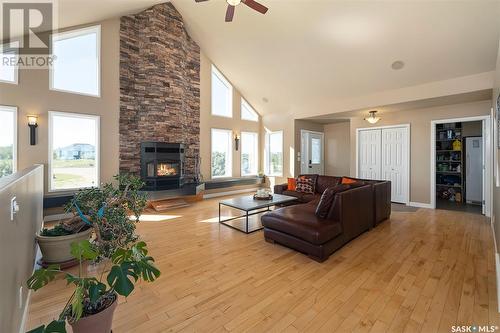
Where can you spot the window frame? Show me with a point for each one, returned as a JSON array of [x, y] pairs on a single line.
[[226, 82], [256, 135], [51, 148], [246, 105], [16, 71], [230, 146], [14, 110], [268, 154], [72, 34]]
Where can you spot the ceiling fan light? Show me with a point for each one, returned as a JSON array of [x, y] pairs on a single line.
[[372, 119], [233, 2]]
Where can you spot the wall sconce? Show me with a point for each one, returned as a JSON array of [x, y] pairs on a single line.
[[372, 118], [32, 123], [236, 141]]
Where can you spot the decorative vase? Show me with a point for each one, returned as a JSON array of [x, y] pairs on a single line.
[[97, 323], [57, 249]]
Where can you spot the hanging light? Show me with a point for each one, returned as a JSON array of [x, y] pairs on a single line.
[[372, 118]]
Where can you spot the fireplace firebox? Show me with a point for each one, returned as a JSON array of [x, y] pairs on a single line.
[[162, 165]]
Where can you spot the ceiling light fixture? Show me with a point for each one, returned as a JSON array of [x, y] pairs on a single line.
[[372, 118], [397, 65], [233, 2]]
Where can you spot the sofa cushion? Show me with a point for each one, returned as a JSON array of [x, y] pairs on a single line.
[[325, 182], [304, 185], [303, 197], [326, 200], [313, 177], [299, 221]]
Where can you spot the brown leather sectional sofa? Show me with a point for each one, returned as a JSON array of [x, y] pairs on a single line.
[[353, 211]]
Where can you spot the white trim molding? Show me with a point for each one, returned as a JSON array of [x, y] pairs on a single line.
[[488, 161], [223, 194], [420, 205]]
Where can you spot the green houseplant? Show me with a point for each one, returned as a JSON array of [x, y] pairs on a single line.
[[124, 260]]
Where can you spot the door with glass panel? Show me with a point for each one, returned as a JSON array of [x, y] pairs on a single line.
[[312, 159]]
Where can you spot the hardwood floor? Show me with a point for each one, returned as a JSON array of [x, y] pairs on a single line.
[[421, 271]]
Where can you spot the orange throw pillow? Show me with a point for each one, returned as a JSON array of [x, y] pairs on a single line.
[[292, 183], [348, 180]]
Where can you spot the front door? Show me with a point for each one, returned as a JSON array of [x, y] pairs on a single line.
[[312, 161]]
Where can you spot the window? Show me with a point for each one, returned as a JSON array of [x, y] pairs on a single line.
[[8, 140], [249, 153], [76, 68], [274, 153], [222, 149], [222, 95], [247, 112], [8, 64], [73, 151], [315, 151]]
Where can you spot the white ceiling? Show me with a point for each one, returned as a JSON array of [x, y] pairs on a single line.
[[307, 54]]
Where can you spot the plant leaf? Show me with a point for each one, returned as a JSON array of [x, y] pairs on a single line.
[[56, 326], [77, 303], [118, 278], [83, 250], [96, 291], [42, 277], [121, 255], [139, 249], [147, 270]]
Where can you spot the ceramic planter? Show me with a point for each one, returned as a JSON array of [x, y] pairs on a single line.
[[56, 250], [97, 323]]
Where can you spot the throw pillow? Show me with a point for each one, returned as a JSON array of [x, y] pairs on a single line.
[[292, 184], [326, 201], [304, 185], [346, 180]]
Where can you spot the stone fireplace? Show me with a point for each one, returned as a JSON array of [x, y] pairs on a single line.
[[162, 165], [159, 96]]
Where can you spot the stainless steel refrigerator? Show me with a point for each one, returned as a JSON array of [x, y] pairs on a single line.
[[474, 169]]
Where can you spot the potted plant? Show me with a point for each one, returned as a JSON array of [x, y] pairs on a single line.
[[107, 210], [91, 307], [92, 208]]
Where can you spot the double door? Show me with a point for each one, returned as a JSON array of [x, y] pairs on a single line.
[[383, 154]]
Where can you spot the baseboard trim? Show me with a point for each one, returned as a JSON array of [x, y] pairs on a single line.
[[222, 194], [497, 269], [420, 205]]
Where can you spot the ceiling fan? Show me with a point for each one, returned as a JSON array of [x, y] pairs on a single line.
[[231, 5]]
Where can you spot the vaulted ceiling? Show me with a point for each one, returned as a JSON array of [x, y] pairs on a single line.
[[309, 54]]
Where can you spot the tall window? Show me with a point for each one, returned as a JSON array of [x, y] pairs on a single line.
[[8, 140], [8, 64], [247, 112], [76, 68], [222, 95], [73, 150], [249, 153], [274, 153], [222, 150]]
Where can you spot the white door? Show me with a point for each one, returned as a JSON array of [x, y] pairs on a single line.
[[369, 151], [312, 161], [395, 162]]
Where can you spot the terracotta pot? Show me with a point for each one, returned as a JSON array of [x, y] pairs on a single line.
[[56, 250], [98, 323]]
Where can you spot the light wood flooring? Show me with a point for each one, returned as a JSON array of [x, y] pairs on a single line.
[[420, 271]]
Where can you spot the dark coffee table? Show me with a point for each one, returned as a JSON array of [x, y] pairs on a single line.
[[251, 207]]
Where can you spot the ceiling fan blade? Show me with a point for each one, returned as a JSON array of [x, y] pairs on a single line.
[[200, 0], [229, 13], [255, 6]]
